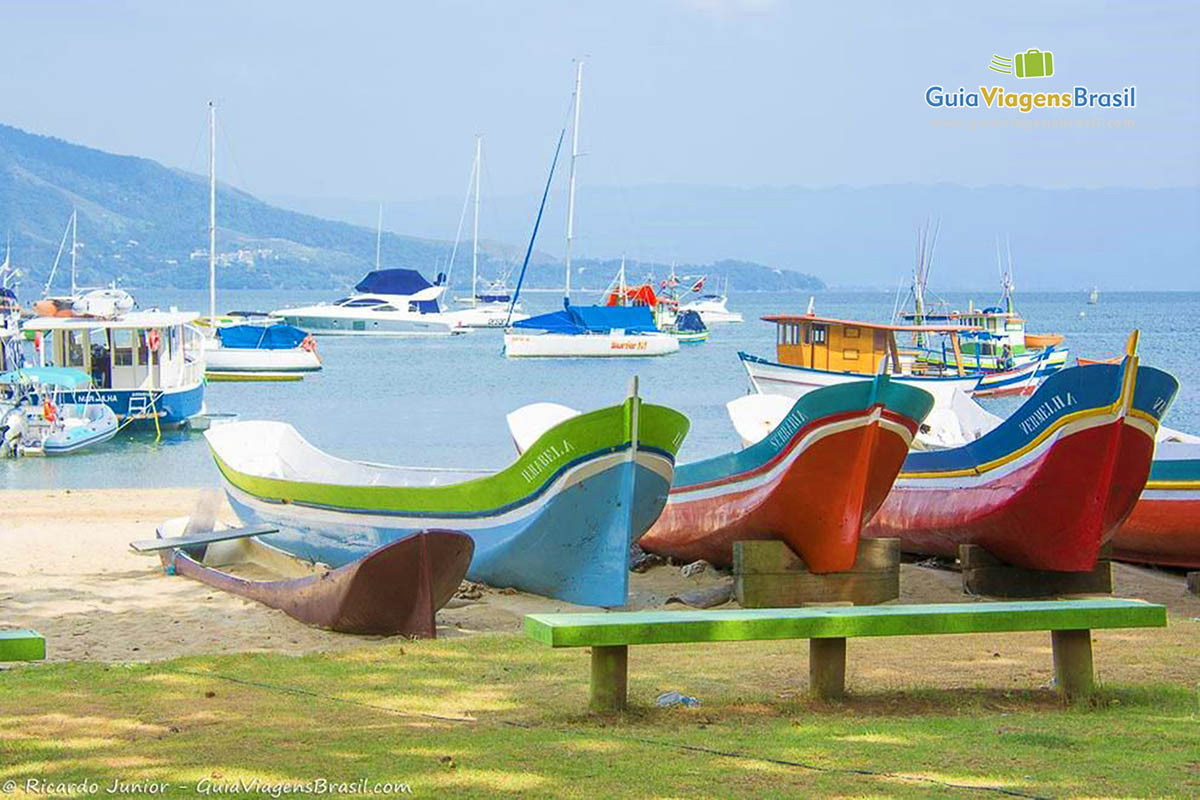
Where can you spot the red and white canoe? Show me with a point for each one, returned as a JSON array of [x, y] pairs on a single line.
[[813, 481], [1164, 527], [1047, 487]]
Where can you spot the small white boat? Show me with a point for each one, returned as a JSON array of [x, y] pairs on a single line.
[[277, 352], [246, 346], [584, 331], [713, 309], [34, 420], [104, 303]]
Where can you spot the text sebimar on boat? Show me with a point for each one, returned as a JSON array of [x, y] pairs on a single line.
[[814, 480]]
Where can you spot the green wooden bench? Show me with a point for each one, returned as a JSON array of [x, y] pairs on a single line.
[[609, 635], [20, 645]]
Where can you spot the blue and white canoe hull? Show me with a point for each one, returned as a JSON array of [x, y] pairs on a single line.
[[571, 542]]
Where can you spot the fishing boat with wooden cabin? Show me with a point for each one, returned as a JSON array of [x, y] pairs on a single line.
[[813, 480], [143, 364], [1047, 487], [814, 352]]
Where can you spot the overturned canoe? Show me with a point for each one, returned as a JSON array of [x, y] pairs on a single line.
[[1164, 527], [1048, 486], [813, 481], [394, 589], [557, 522]]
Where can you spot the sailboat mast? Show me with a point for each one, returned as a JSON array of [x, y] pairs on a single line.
[[212, 212], [378, 234], [74, 231], [475, 227], [571, 189]]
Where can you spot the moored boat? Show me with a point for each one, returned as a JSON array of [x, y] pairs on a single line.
[[1164, 527], [394, 589], [144, 364], [558, 521], [34, 420], [274, 352], [813, 480], [387, 302], [1049, 485]]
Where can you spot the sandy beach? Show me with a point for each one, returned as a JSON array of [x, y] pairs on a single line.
[[67, 571]]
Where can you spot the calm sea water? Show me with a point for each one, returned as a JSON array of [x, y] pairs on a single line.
[[442, 402]]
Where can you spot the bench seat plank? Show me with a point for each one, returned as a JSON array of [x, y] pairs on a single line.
[[21, 645], [672, 627]]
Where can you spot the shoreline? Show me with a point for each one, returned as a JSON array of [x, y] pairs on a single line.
[[66, 571]]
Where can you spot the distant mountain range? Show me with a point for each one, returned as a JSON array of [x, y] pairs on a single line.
[[1141, 239], [142, 224]]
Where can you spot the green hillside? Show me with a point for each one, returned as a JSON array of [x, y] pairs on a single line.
[[143, 224]]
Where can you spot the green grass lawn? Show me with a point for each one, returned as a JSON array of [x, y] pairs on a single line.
[[498, 716]]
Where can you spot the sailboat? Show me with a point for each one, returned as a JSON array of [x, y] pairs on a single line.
[[246, 352], [489, 308], [1094, 297], [594, 331]]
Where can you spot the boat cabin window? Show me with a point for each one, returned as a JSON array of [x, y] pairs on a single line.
[[384, 307], [101, 369], [143, 347], [819, 334], [75, 345], [341, 302], [122, 347], [362, 302]]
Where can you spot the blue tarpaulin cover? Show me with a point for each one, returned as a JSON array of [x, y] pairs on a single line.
[[392, 281], [690, 321], [592, 319], [261, 337]]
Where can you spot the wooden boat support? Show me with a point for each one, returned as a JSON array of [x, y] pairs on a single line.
[[395, 589], [984, 574], [767, 574]]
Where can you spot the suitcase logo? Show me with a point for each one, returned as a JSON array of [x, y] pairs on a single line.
[[1033, 63]]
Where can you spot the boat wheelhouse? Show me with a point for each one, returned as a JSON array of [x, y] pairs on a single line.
[[144, 364], [387, 302], [812, 352]]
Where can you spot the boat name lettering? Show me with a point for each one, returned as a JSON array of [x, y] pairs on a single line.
[[1158, 407], [785, 430], [1045, 411], [627, 346], [545, 458]]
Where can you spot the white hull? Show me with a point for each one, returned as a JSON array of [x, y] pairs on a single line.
[[712, 312], [484, 316], [792, 382], [341, 321], [612, 345], [230, 359]]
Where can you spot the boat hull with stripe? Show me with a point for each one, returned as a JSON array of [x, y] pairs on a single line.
[[812, 482], [557, 522], [1046, 488], [1164, 527]]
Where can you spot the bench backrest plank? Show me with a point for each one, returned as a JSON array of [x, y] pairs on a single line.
[[21, 645], [667, 627]]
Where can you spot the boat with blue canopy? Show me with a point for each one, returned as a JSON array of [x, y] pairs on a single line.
[[34, 420]]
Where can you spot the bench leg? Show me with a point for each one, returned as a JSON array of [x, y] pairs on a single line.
[[827, 668], [610, 678], [1073, 662]]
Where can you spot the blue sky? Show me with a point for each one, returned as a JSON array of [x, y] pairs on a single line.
[[366, 100]]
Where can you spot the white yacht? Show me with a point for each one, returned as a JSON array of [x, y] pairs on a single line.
[[712, 309], [387, 302]]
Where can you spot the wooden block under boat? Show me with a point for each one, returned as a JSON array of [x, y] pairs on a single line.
[[768, 574], [984, 574]]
